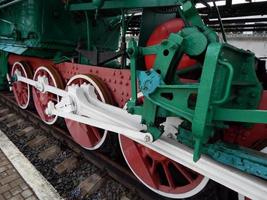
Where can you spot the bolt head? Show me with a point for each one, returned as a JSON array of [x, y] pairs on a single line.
[[147, 138]]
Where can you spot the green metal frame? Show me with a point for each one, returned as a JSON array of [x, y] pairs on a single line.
[[228, 89]]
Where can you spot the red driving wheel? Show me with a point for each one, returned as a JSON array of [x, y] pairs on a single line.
[[162, 32], [89, 137], [41, 99], [159, 173], [21, 90]]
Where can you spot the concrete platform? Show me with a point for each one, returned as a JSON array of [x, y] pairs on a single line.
[[19, 180]]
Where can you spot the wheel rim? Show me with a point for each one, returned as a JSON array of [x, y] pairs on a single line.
[[89, 137], [41, 99], [159, 173], [21, 90]]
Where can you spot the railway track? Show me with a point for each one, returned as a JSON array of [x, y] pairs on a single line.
[[55, 149]]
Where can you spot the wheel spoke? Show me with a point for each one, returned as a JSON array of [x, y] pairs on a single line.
[[153, 167], [168, 175], [183, 172], [41, 100], [96, 133]]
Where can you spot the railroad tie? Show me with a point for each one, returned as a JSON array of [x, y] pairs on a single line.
[[91, 185], [26, 131], [11, 115], [124, 198], [4, 111], [37, 141], [50, 153], [14, 123], [67, 165], [12, 119]]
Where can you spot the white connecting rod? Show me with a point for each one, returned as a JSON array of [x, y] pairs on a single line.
[[137, 135], [75, 105]]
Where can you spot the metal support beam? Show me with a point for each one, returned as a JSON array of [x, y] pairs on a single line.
[[126, 4], [237, 10]]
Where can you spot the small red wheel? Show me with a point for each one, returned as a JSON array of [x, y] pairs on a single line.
[[41, 99], [89, 137], [21, 90]]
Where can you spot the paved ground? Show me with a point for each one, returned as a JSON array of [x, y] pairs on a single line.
[[12, 186], [19, 180]]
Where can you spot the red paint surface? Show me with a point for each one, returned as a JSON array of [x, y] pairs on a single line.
[[162, 32], [117, 80], [249, 137]]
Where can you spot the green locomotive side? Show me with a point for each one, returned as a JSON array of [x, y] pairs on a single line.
[[46, 24], [45, 28]]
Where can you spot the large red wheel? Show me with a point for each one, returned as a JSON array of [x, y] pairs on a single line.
[[41, 99], [21, 90], [159, 173], [162, 32], [89, 137]]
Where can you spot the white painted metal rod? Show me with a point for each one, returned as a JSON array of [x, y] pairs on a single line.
[[137, 135]]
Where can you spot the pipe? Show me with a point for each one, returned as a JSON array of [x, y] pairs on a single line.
[[10, 3]]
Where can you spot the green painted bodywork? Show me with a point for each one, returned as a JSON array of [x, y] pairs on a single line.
[[45, 24], [3, 69]]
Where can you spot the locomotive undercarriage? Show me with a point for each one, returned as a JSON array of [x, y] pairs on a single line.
[[188, 107], [93, 113]]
